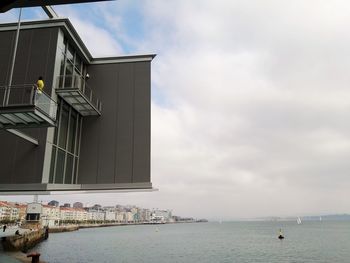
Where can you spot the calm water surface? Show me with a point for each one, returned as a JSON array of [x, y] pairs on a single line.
[[203, 242]]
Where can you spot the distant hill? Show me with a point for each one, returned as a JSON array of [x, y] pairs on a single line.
[[336, 217], [340, 217]]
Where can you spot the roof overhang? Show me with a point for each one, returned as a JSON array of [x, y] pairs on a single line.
[[50, 189], [73, 35], [6, 5]]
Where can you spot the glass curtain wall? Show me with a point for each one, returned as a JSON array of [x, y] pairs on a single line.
[[72, 73], [65, 148]]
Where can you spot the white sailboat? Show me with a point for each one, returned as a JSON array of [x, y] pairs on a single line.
[[298, 220]]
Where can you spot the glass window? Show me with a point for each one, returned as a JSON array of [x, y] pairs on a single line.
[[78, 64], [52, 167], [72, 131], [70, 53], [77, 142], [77, 81], [75, 170], [55, 136], [60, 166], [65, 155], [61, 77], [65, 44], [68, 82], [63, 126], [62, 46], [69, 169]]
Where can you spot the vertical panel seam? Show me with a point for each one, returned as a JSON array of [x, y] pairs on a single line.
[[133, 124], [116, 127], [47, 53], [29, 55], [9, 58]]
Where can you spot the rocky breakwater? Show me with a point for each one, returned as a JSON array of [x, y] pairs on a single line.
[[25, 241]]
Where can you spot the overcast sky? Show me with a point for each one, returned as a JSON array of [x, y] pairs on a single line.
[[250, 104]]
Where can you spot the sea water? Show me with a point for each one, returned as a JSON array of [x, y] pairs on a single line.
[[249, 242]]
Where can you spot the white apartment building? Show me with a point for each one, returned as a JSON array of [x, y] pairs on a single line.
[[110, 215], [129, 216], [80, 214], [8, 211], [120, 217], [50, 216], [67, 213], [95, 215]]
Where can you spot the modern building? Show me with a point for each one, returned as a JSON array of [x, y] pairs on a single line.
[[89, 130]]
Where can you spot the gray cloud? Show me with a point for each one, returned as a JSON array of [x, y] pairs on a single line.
[[252, 119]]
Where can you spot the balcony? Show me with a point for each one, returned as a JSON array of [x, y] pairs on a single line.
[[21, 106], [74, 90]]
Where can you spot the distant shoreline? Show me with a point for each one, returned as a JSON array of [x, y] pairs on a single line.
[[70, 228]]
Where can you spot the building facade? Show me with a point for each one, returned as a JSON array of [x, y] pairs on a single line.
[[9, 212], [50, 216], [90, 128]]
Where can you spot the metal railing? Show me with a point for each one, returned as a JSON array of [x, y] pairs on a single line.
[[76, 82], [27, 95]]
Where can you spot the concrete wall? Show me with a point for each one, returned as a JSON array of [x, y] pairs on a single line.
[[20, 161], [115, 147]]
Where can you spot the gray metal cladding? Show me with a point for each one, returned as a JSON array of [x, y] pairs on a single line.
[[115, 147], [20, 161]]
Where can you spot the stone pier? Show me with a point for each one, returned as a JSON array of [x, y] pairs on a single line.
[[25, 241]]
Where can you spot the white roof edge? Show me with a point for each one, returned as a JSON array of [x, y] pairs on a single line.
[[122, 59]]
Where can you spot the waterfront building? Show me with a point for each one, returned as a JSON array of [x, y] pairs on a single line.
[[50, 216], [109, 215], [22, 211], [144, 215], [161, 216], [66, 205], [95, 215], [67, 214], [14, 214], [33, 216], [8, 211], [90, 128], [129, 217], [97, 207], [5, 211], [78, 205], [80, 215], [54, 203], [120, 217]]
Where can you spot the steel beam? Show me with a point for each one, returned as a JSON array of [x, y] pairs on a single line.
[[50, 12], [24, 136]]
